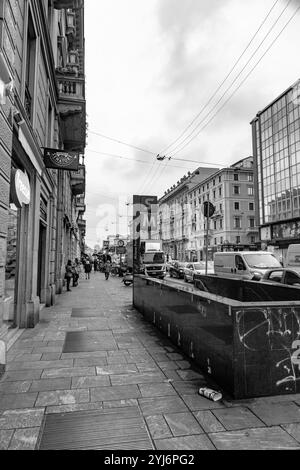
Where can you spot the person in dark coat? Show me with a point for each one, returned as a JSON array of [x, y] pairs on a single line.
[[69, 274], [87, 269]]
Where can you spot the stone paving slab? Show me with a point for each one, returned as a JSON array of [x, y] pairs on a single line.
[[183, 424], [199, 442], [277, 413], [237, 418], [272, 438]]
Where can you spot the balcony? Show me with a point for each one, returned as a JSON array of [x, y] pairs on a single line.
[[72, 107], [82, 226], [65, 4], [80, 204], [77, 179]]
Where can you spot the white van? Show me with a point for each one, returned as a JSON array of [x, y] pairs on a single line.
[[292, 259], [244, 264]]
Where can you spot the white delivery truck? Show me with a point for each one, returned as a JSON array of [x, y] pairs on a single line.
[[244, 264], [292, 259], [153, 260]]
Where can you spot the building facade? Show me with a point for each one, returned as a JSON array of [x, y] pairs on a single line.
[[183, 226], [276, 150], [233, 224], [173, 214], [42, 105]]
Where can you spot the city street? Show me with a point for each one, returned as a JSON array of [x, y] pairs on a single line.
[[93, 374]]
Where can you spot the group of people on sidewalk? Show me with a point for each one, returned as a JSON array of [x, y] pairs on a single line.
[[73, 270]]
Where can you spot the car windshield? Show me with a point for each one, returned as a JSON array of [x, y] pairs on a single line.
[[153, 258], [199, 266], [263, 261], [181, 265]]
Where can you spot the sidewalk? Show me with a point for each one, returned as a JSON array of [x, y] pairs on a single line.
[[94, 375]]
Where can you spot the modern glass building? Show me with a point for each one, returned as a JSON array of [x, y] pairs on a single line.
[[276, 151]]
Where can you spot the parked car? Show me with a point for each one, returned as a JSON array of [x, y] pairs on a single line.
[[177, 270], [290, 277], [197, 268]]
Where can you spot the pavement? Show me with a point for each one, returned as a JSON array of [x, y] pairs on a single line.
[[93, 374]]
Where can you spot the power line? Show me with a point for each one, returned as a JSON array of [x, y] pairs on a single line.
[[132, 159], [224, 80], [211, 98], [226, 91], [253, 68], [123, 143]]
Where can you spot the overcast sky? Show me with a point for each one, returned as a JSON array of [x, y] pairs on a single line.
[[151, 67]]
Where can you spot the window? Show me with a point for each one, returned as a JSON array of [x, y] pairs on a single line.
[[250, 177], [237, 222], [250, 191], [238, 240], [236, 177], [291, 278], [221, 240], [220, 179], [251, 206], [236, 189], [236, 206], [30, 67], [221, 207], [220, 191], [252, 239], [252, 222], [214, 193], [221, 223], [216, 241], [215, 225], [239, 263]]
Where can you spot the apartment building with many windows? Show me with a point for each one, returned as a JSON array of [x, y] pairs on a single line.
[[173, 213], [233, 224]]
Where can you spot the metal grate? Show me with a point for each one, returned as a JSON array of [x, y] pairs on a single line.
[[86, 313], [89, 341], [117, 428]]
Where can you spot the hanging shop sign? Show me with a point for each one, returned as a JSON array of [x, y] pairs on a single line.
[[60, 160], [20, 188]]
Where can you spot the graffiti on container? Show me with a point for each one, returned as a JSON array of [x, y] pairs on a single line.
[[276, 330]]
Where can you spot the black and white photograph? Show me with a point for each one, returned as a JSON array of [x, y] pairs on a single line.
[[149, 228]]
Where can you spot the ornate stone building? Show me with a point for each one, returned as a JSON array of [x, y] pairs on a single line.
[[42, 105]]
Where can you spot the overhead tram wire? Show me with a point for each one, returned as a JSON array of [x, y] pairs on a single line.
[[130, 159], [174, 152], [245, 78], [216, 91], [253, 68], [223, 81], [123, 143]]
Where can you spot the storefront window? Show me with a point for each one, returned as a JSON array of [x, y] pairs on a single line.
[[11, 261]]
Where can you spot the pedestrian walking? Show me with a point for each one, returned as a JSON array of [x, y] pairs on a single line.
[[95, 264], [69, 274], [107, 270], [75, 274], [87, 269]]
